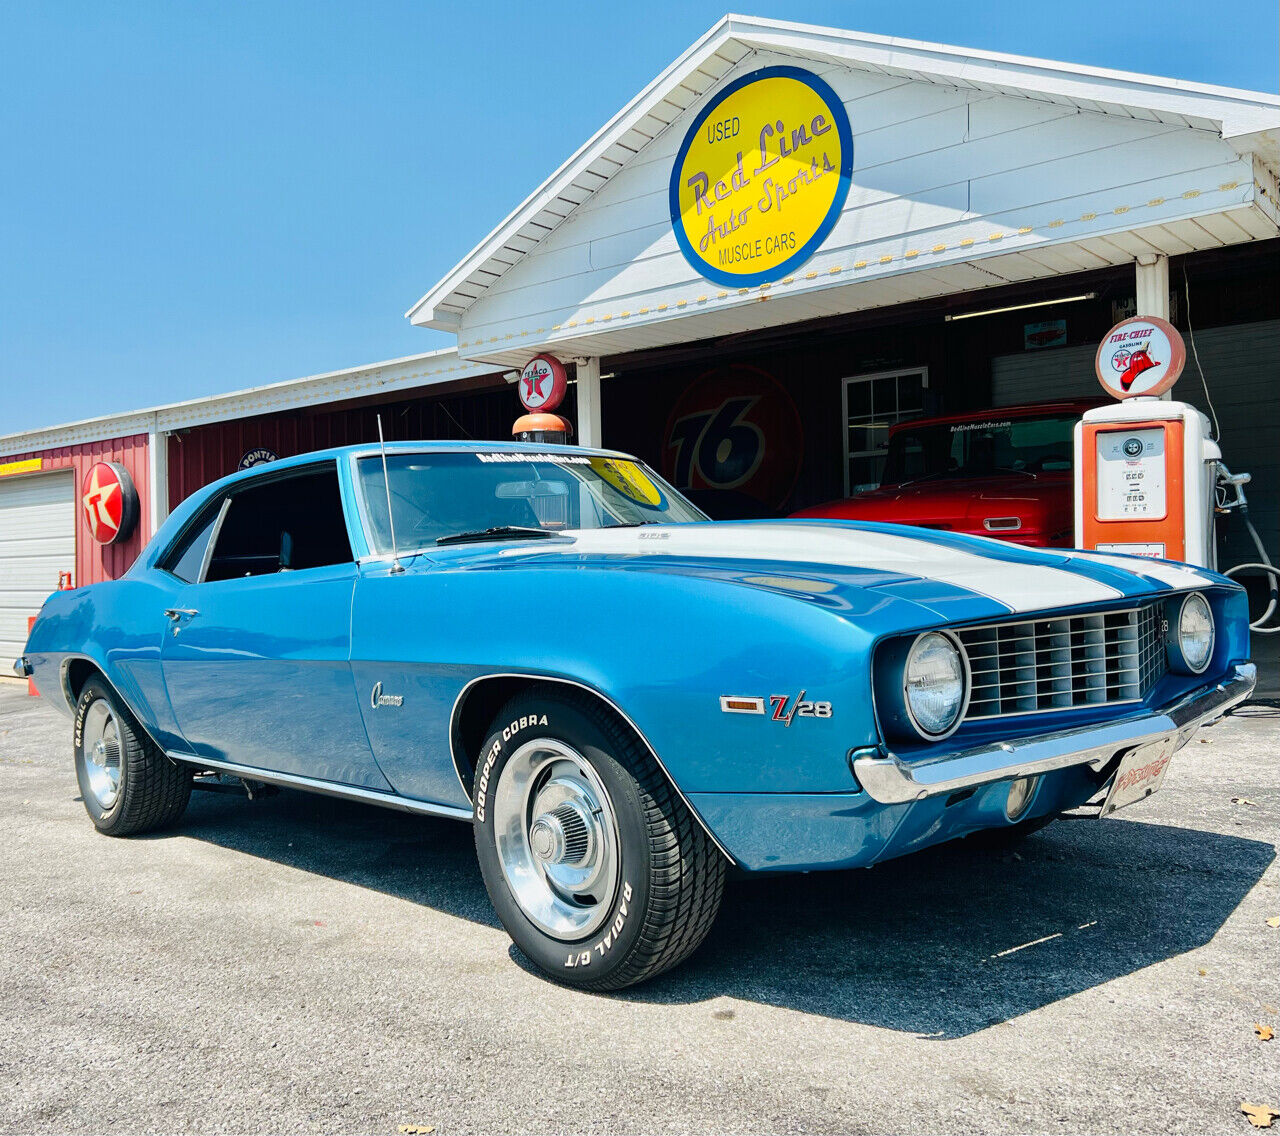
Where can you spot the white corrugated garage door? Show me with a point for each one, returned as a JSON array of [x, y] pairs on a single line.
[[37, 541], [1242, 367]]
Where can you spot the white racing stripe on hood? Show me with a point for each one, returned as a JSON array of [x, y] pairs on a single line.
[[1175, 575], [1020, 587]]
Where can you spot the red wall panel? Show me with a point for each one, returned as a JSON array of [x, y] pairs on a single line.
[[97, 562]]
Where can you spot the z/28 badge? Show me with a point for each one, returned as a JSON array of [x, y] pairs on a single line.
[[784, 708]]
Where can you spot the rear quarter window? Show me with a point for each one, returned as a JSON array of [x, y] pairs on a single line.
[[186, 557]]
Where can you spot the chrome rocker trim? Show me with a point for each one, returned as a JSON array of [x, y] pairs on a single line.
[[891, 781], [386, 799]]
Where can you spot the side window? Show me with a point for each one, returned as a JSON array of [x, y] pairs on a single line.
[[286, 524], [187, 557]]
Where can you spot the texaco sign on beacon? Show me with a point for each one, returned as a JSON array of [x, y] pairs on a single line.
[[543, 383]]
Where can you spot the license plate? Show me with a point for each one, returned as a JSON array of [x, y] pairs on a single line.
[[1141, 772]]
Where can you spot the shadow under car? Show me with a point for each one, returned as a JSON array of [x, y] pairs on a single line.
[[941, 943]]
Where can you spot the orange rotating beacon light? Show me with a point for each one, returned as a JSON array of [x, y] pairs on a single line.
[[542, 386]]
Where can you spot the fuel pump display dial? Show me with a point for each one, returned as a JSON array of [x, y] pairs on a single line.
[[1131, 474]]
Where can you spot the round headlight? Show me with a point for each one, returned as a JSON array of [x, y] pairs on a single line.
[[1194, 635], [935, 684]]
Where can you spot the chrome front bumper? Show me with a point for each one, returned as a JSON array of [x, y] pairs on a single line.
[[891, 781]]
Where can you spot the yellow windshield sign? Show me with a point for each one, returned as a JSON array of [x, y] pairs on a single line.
[[761, 177], [628, 479]]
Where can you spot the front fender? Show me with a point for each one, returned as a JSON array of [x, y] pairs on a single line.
[[664, 648]]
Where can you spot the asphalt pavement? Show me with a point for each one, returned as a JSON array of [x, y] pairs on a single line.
[[301, 964]]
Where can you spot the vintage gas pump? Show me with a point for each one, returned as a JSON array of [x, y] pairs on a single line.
[[542, 386], [1149, 477], [1146, 468]]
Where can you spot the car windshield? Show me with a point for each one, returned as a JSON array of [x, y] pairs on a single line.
[[438, 497], [982, 447]]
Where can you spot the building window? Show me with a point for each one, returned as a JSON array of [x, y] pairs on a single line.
[[873, 403]]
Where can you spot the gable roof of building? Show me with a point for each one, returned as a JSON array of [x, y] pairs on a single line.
[[1249, 120]]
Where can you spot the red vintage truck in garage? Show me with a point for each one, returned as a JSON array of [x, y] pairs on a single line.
[[1003, 473]]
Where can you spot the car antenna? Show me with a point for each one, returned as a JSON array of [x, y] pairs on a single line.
[[396, 566]]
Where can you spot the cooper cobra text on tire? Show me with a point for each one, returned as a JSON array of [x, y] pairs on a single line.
[[127, 783], [596, 867]]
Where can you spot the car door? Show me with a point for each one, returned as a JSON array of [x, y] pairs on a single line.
[[257, 655]]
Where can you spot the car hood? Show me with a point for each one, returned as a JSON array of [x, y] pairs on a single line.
[[948, 573]]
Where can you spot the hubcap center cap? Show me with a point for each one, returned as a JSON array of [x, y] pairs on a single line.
[[546, 838], [562, 836]]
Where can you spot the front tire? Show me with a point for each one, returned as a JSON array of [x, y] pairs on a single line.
[[127, 782], [596, 867]]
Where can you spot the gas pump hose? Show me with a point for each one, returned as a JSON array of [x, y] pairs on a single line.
[[1262, 565]]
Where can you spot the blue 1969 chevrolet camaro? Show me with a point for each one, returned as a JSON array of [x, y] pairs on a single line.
[[623, 697]]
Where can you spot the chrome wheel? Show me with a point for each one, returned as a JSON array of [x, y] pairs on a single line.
[[102, 748], [557, 838]]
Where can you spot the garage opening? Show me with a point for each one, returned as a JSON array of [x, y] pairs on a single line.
[[37, 541]]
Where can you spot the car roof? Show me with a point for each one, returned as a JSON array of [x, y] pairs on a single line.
[[371, 449], [1021, 410]]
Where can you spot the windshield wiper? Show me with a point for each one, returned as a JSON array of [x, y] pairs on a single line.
[[498, 532], [927, 477]]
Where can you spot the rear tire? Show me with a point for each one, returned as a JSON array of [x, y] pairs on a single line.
[[595, 865], [127, 782]]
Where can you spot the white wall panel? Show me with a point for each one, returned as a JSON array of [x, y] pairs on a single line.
[[659, 274], [937, 172]]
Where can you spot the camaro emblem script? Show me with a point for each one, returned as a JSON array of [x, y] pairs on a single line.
[[377, 698], [785, 710]]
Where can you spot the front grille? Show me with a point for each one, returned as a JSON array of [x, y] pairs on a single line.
[[1064, 662]]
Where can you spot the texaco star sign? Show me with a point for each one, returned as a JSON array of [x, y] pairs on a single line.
[[109, 501], [543, 383]]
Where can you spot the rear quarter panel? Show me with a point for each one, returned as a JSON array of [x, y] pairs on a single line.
[[117, 627]]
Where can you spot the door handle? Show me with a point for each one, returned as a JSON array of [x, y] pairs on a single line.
[[176, 613]]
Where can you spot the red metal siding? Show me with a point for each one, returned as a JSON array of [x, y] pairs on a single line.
[[206, 453], [97, 562]]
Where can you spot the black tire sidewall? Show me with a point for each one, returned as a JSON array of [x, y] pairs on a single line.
[[95, 691], [591, 960]]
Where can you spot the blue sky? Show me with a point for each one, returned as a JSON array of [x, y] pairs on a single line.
[[200, 197]]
